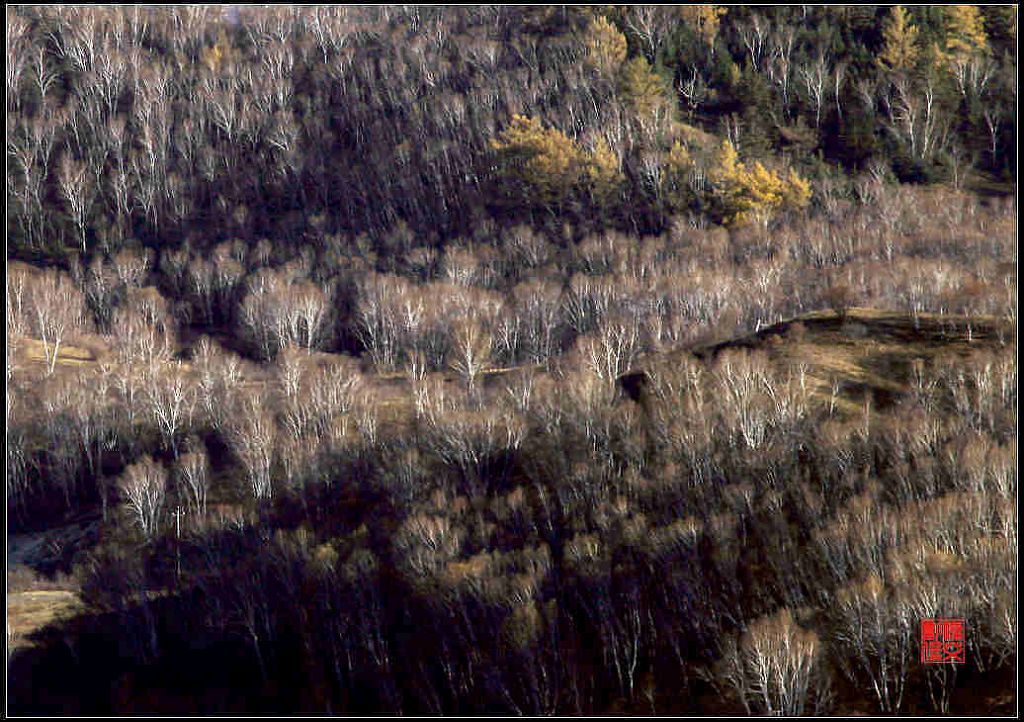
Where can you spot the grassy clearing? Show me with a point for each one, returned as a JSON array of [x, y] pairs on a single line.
[[70, 355], [38, 593], [865, 352], [30, 611]]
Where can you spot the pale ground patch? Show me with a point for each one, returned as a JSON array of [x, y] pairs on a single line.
[[28, 612]]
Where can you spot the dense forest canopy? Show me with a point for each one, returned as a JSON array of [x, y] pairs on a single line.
[[163, 125], [511, 360]]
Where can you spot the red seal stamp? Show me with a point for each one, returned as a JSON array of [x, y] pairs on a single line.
[[943, 641]]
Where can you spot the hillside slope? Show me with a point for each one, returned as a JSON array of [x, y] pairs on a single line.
[[852, 356]]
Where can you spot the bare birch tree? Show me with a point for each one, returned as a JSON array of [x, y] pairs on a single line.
[[144, 487]]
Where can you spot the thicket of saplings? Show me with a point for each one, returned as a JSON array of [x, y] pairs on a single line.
[[471, 517], [380, 462]]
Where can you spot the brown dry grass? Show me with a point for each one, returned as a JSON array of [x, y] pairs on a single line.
[[30, 611], [69, 355], [865, 353]]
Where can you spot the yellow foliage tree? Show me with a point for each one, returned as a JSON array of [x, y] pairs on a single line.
[[703, 20], [605, 47], [678, 168], [796, 191], [538, 165], [755, 194], [642, 89], [603, 176], [900, 49], [965, 31], [727, 164]]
